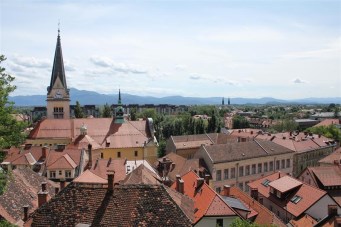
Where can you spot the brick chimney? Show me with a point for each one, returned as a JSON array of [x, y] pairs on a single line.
[[200, 182], [177, 182], [111, 176], [181, 186], [25, 213], [226, 190], [56, 190], [254, 193], [44, 152], [43, 186], [332, 210], [62, 183], [42, 196], [109, 162], [207, 179], [90, 155]]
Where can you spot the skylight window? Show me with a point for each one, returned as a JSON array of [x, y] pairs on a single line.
[[296, 199], [266, 182]]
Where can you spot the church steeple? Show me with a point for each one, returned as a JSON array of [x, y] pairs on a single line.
[[119, 97], [119, 111], [58, 71]]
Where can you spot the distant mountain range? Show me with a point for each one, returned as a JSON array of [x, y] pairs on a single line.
[[94, 98]]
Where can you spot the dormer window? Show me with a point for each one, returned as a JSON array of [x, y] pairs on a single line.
[[266, 182], [296, 199]]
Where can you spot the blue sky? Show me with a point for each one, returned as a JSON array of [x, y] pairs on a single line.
[[281, 49]]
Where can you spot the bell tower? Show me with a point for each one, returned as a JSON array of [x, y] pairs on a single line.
[[58, 97]]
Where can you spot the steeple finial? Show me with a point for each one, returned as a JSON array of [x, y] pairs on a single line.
[[119, 96], [58, 28]]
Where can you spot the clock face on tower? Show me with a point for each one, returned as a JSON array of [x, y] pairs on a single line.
[[58, 94]]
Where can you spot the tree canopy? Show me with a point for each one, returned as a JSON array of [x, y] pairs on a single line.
[[78, 111], [11, 131]]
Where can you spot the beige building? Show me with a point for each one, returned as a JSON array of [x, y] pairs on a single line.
[[239, 163]]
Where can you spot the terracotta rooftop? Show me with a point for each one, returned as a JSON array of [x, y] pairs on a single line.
[[103, 132], [264, 216], [99, 169], [330, 159], [126, 205], [308, 195], [244, 150], [28, 155], [22, 190], [285, 183], [206, 201], [142, 175], [327, 122], [63, 159], [327, 175], [306, 220]]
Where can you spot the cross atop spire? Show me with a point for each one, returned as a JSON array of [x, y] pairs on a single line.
[[58, 66]]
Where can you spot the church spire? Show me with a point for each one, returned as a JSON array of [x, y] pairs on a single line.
[[58, 66], [119, 97]]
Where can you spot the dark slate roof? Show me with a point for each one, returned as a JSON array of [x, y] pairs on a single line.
[[235, 203], [126, 205], [58, 66], [244, 150]]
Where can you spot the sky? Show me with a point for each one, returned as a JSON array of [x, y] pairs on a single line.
[[283, 49]]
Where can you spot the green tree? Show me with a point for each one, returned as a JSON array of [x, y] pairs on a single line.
[[330, 131], [239, 122], [147, 113], [237, 222], [11, 131], [161, 150], [106, 111], [284, 126], [4, 223], [78, 111], [133, 112]]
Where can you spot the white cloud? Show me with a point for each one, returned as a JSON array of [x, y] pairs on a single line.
[[119, 67], [31, 62]]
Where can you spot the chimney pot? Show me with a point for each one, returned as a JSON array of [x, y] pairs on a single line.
[[200, 182], [254, 193], [42, 198], [207, 179], [44, 152], [43, 186], [111, 175], [227, 189], [181, 186], [56, 190], [178, 178], [332, 210], [90, 155], [25, 213]]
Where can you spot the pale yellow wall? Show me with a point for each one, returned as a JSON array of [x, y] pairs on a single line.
[[54, 103]]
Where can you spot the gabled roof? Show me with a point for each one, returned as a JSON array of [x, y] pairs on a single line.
[[309, 195], [90, 178], [285, 183], [142, 175], [64, 162], [330, 159], [126, 205], [206, 201], [305, 220], [24, 156], [327, 175], [65, 159]]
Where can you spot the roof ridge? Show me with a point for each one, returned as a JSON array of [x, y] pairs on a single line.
[[261, 146]]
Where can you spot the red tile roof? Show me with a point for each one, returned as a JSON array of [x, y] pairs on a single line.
[[327, 122], [330, 159], [309, 194], [65, 159], [285, 184], [206, 201], [306, 221], [142, 175], [327, 175]]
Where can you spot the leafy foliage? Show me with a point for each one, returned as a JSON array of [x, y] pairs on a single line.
[[284, 126], [106, 111], [78, 111], [243, 223], [239, 122], [11, 131], [330, 131], [161, 150]]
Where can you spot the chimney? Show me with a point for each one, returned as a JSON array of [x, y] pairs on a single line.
[[319, 135], [332, 210], [90, 155], [56, 190], [226, 191], [44, 152], [109, 162], [111, 175], [181, 186], [254, 193], [177, 182], [207, 179], [62, 183], [290, 133], [25, 213], [251, 132], [200, 182], [43, 186], [42, 198]]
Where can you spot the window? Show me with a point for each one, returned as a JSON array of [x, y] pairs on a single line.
[[247, 170], [233, 172], [218, 190], [247, 188], [288, 163], [277, 165], [60, 172], [265, 167], [119, 154], [67, 173], [241, 171], [261, 201], [259, 167], [241, 186], [136, 153], [218, 175], [102, 155], [52, 174], [254, 169], [283, 164], [266, 182], [226, 174], [271, 166], [220, 223], [296, 199], [278, 194]]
